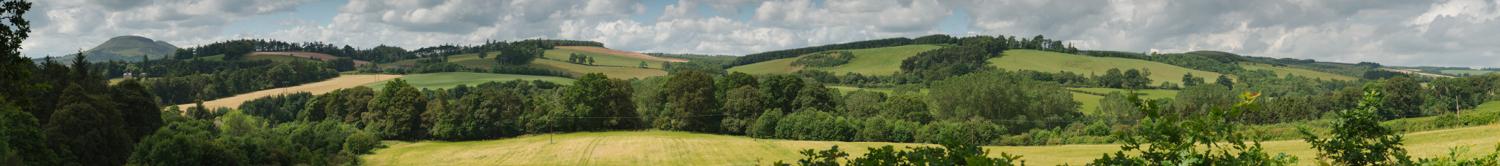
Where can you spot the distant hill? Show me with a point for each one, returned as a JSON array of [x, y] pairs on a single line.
[[126, 48]]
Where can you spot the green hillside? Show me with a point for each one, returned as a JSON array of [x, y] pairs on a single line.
[[126, 48], [277, 58], [1469, 72], [1282, 71], [1057, 62], [871, 61], [602, 59], [623, 72], [1089, 101], [451, 79]]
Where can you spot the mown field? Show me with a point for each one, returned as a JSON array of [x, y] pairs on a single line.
[[1283, 71], [1057, 62], [448, 80], [325, 86], [871, 61], [681, 148], [1469, 72]]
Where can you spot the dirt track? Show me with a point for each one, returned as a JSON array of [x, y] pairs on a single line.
[[325, 86]]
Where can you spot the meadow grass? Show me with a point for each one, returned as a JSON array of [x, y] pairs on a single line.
[[870, 61], [1046, 61], [1283, 71]]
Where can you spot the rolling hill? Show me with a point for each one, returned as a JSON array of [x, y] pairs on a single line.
[[285, 56], [870, 61], [1057, 62], [1283, 71], [613, 63], [126, 48]]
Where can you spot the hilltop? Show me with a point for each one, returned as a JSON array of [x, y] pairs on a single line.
[[126, 48]]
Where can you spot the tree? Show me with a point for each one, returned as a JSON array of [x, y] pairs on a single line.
[[15, 70], [85, 127], [518, 54], [22, 141], [1004, 98], [1358, 139], [765, 124], [690, 97], [483, 54], [642, 65], [1402, 97], [183, 143], [139, 109], [952, 153], [1225, 81], [1207, 139], [396, 111], [781, 91], [1188, 80], [608, 100], [741, 107], [946, 62], [488, 113]]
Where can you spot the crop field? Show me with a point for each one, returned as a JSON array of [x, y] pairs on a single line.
[[870, 61], [325, 86], [681, 148], [1086, 65], [448, 80], [1283, 71]]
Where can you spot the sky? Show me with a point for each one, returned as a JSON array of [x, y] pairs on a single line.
[[1463, 33]]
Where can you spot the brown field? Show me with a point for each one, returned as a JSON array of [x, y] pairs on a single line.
[[343, 81], [319, 56], [602, 50]]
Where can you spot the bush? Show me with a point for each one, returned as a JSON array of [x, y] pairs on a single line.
[[976, 132], [825, 59], [816, 125]]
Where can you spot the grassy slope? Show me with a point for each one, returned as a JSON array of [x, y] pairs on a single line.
[[631, 71], [1085, 65], [451, 79], [1089, 103], [871, 61], [1470, 72], [320, 87], [679, 148], [1283, 71], [603, 59]]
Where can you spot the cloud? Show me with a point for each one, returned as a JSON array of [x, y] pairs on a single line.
[[1395, 32]]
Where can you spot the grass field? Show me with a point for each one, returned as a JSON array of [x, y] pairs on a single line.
[[621, 72], [325, 86], [1283, 71], [450, 79], [680, 148], [1089, 103], [1469, 72], [870, 61], [1056, 62]]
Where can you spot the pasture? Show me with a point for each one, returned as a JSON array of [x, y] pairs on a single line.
[[1045, 61]]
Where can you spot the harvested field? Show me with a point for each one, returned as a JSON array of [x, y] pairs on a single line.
[[325, 86]]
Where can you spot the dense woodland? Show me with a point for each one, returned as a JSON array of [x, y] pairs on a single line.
[[55, 114]]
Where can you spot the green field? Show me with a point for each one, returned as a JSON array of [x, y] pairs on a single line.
[[1283, 71], [870, 61], [451, 79], [473, 61], [602, 59], [1469, 72], [681, 148], [1057, 62], [1089, 103]]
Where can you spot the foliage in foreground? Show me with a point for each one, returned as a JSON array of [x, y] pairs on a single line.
[[1210, 139], [952, 153]]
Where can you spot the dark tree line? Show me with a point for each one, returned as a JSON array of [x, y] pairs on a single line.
[[773, 55], [222, 83]]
